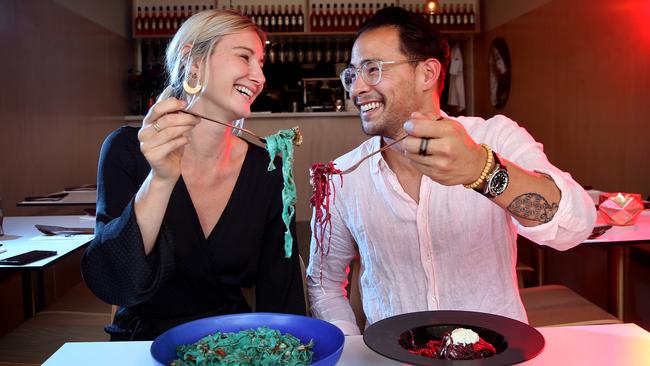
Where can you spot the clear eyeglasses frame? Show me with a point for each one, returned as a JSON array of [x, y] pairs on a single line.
[[370, 71]]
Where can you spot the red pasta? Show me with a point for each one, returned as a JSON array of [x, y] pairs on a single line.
[[321, 179]]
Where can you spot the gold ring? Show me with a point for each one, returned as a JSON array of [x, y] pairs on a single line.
[[424, 144], [156, 126]]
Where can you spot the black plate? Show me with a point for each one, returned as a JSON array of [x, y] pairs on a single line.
[[514, 341]]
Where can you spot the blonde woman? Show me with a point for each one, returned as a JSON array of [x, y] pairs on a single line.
[[187, 213]]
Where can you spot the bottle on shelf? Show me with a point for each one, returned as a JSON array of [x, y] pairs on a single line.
[[161, 21], [272, 20], [168, 21], [256, 14], [153, 21], [356, 18], [300, 54], [300, 20], [175, 19], [327, 57], [286, 19], [279, 19], [137, 22], [182, 17], [349, 18], [266, 18], [472, 17], [293, 19], [313, 18], [452, 17], [328, 19], [445, 18], [321, 18], [460, 14]]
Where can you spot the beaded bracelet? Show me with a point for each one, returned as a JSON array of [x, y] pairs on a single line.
[[489, 164]]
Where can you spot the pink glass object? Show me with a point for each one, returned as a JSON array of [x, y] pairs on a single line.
[[621, 209]]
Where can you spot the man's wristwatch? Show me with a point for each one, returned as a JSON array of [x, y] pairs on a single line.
[[497, 182]]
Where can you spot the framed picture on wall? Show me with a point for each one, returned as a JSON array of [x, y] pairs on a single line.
[[499, 71]]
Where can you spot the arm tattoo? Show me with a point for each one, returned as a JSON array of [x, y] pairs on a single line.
[[533, 206]]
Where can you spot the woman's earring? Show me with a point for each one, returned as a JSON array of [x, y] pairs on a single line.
[[192, 89]]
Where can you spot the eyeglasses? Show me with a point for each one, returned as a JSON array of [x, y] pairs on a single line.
[[370, 72]]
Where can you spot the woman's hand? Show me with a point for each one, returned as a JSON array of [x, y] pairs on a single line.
[[164, 133], [449, 157]]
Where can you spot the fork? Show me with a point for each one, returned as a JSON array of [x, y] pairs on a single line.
[[262, 139], [356, 165]]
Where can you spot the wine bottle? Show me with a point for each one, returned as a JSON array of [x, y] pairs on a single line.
[[286, 19], [301, 20], [293, 20], [175, 19], [168, 20], [313, 18], [349, 18], [321, 18], [273, 20], [472, 17], [452, 16], [137, 22], [153, 21], [266, 18], [465, 21], [328, 19], [445, 17]]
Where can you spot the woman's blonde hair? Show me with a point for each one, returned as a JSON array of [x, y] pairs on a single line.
[[202, 31]]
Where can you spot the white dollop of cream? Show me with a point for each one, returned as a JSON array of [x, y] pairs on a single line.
[[464, 336]]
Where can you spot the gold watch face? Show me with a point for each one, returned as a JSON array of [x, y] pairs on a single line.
[[498, 182]]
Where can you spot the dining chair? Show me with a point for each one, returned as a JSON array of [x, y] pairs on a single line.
[[558, 305], [354, 293]]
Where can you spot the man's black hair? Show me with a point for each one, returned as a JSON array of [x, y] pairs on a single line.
[[419, 39]]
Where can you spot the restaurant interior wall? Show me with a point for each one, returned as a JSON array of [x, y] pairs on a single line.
[[580, 86], [63, 91]]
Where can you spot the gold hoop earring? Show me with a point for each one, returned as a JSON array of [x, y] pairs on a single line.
[[192, 89]]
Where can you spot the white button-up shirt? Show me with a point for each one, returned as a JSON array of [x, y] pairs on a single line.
[[454, 250]]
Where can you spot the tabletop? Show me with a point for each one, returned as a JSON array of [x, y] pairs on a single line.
[[21, 236], [73, 198], [639, 232], [612, 344]]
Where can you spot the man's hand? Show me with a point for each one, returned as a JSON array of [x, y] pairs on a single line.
[[449, 157]]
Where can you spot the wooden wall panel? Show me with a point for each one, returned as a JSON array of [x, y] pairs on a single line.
[[581, 85], [64, 89]]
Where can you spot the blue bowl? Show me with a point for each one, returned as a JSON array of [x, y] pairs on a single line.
[[327, 337]]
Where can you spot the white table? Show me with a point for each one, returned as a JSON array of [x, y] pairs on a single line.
[[617, 241], [21, 236], [74, 198], [615, 344]]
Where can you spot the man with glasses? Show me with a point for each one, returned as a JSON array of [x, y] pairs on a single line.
[[435, 217]]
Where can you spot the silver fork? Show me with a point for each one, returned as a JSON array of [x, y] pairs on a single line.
[[297, 140], [262, 139], [356, 165]]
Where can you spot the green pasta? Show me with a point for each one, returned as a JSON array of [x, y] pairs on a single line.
[[252, 347], [282, 142]]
